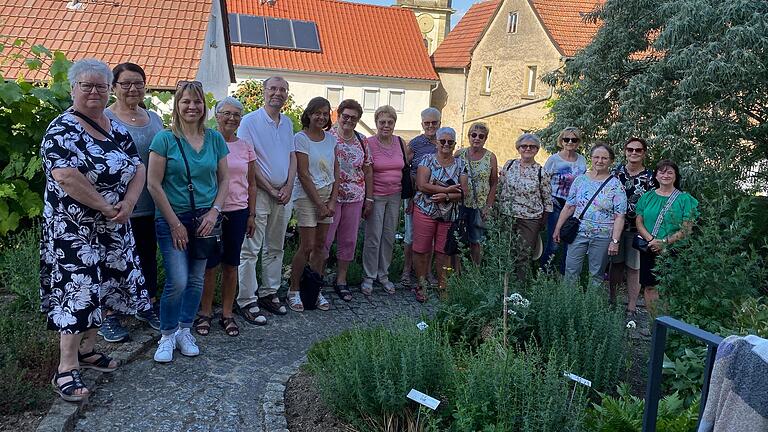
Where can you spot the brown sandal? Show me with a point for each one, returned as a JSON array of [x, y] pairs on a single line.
[[230, 326], [202, 325]]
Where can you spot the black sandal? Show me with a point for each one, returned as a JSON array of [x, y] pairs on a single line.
[[230, 326], [343, 292], [202, 325], [101, 363], [252, 317], [67, 390]]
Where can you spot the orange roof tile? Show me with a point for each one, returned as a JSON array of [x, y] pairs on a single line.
[[356, 39], [130, 30], [456, 50], [563, 20]]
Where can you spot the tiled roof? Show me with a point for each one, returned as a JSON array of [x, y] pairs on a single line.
[[355, 39], [563, 20], [456, 50], [162, 36]]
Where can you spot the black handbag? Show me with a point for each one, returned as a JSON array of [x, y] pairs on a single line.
[[458, 233], [309, 288], [407, 185], [641, 244], [570, 228], [201, 247]]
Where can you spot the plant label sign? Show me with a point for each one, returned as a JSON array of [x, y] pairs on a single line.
[[578, 379], [421, 398]]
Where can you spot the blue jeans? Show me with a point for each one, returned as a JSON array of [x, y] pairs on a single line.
[[183, 278], [551, 247]]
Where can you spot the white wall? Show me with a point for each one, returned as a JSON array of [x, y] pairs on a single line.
[[305, 86], [214, 69]]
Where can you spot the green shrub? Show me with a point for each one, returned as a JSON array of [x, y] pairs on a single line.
[[582, 324], [19, 264], [505, 390], [683, 371], [751, 317], [364, 375]]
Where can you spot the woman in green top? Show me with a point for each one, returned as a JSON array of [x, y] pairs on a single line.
[[673, 226], [205, 151]]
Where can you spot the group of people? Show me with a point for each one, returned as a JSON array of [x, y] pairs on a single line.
[[118, 185]]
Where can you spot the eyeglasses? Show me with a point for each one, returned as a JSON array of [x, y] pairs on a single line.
[[87, 87], [229, 114], [184, 83], [477, 135], [446, 142], [634, 149], [126, 85], [571, 140], [431, 123], [347, 117], [277, 89], [528, 147]]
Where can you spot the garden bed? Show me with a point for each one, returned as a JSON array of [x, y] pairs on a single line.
[[305, 411]]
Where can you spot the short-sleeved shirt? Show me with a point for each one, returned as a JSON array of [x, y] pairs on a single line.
[[273, 143], [609, 203], [479, 179], [388, 166], [438, 173], [241, 153], [142, 137], [322, 155], [635, 186], [685, 208], [203, 166], [421, 146], [524, 192], [563, 173], [352, 155]]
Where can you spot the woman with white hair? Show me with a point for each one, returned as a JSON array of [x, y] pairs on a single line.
[[440, 181], [94, 177]]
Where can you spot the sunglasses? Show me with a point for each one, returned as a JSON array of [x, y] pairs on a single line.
[[571, 140], [528, 147], [184, 83], [431, 123], [477, 135], [347, 117], [634, 149], [448, 142]]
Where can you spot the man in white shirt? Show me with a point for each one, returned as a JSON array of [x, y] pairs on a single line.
[[271, 134]]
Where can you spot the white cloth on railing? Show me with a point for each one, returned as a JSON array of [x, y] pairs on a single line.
[[738, 389]]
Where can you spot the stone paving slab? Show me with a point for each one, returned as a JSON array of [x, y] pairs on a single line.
[[236, 384]]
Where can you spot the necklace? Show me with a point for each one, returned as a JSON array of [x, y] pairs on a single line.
[[387, 150]]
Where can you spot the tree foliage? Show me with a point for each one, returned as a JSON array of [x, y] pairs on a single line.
[[251, 94]]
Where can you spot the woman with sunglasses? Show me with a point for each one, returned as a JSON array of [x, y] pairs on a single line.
[[440, 180], [483, 177], [525, 198], [128, 85], [563, 168], [314, 194], [203, 150]]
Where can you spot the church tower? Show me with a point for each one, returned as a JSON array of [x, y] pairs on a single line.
[[433, 17]]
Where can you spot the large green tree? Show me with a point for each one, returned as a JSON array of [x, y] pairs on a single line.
[[689, 75]]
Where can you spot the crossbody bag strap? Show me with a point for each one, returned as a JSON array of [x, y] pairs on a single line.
[[402, 150], [667, 206], [94, 125], [471, 178], [190, 186], [595, 196]]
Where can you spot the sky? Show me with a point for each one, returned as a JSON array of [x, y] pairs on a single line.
[[460, 6]]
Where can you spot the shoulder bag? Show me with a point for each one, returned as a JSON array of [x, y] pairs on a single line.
[[641, 244], [406, 190], [570, 228], [202, 247], [457, 233]]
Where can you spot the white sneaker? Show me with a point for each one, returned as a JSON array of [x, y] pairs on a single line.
[[165, 347], [186, 343]]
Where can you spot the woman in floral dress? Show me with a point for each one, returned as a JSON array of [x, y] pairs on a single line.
[[94, 176]]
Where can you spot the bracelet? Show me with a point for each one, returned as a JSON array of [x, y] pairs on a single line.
[[176, 226], [369, 199]]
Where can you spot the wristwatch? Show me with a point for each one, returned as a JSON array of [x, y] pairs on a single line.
[[614, 241], [217, 207]]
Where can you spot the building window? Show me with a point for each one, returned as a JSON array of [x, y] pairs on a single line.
[[397, 100], [334, 96], [531, 81], [512, 22], [487, 80], [370, 99]]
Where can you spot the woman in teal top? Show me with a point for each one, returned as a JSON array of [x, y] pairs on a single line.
[[675, 224], [167, 182]]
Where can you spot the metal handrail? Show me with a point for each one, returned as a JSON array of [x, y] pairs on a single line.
[[655, 365]]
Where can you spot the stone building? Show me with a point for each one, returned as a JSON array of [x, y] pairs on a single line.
[[491, 64], [433, 17]]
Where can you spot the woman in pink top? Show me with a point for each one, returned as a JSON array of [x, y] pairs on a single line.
[[355, 190], [389, 157]]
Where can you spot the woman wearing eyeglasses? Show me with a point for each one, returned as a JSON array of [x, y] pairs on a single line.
[[525, 197], [563, 167], [94, 177], [128, 85], [176, 221], [483, 177], [440, 180]]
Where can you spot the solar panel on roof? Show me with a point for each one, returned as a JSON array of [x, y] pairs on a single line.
[[279, 33], [252, 30], [234, 28], [305, 35]]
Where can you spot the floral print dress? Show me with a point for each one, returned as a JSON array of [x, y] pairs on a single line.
[[86, 261]]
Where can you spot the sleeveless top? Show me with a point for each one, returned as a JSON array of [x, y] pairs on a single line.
[[478, 177]]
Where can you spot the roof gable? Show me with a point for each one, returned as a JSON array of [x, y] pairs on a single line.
[[456, 50], [165, 39], [563, 21], [355, 39]]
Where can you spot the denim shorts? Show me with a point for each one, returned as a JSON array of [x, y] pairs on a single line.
[[475, 230], [233, 227]]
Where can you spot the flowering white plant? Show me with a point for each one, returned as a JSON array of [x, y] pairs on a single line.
[[631, 324], [518, 300]]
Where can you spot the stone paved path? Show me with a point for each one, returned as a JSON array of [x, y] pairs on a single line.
[[226, 387]]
